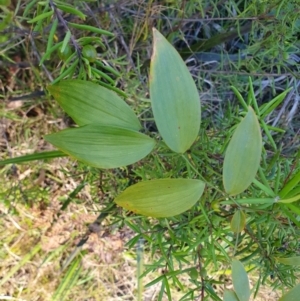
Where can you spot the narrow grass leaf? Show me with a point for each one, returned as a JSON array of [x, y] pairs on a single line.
[[51, 34], [249, 201], [88, 103], [33, 157], [290, 185], [41, 17], [294, 261], [174, 96], [18, 266], [273, 104], [230, 296], [292, 295], [162, 197], [66, 41], [267, 190], [91, 29], [290, 200], [243, 154], [71, 10], [238, 221], [240, 281], [68, 281], [103, 146], [48, 52], [240, 97]]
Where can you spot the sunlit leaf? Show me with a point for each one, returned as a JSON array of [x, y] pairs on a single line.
[[88, 103], [289, 200], [230, 296], [174, 96], [238, 221], [292, 295], [242, 155], [240, 281], [102, 146], [162, 197], [294, 260]]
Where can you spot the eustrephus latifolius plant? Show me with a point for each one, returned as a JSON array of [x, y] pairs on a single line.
[[108, 136]]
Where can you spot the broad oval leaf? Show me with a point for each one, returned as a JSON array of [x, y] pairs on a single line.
[[87, 103], [174, 96], [294, 260], [162, 197], [240, 281], [242, 155], [238, 221], [230, 296], [292, 295], [102, 146]]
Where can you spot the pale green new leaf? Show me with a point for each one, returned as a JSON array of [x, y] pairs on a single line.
[[292, 295], [238, 221], [174, 96], [295, 260], [242, 155], [230, 296], [103, 146], [240, 281], [88, 103], [289, 200], [162, 197]]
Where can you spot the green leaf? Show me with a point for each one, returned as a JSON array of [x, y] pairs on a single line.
[[68, 281], [91, 29], [162, 197], [242, 155], [103, 146], [230, 296], [66, 41], [255, 201], [295, 260], [88, 103], [292, 295], [290, 200], [33, 157], [238, 221], [41, 17], [290, 185], [174, 96], [270, 106], [71, 10], [240, 281]]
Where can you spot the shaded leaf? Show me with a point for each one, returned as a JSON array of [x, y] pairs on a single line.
[[290, 185], [242, 155], [249, 201], [174, 96], [230, 296], [292, 295], [162, 197], [295, 260], [238, 221], [88, 103], [240, 281], [102, 146]]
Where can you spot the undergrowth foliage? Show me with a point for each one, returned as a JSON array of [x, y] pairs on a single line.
[[203, 198]]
